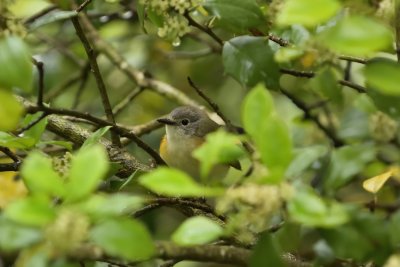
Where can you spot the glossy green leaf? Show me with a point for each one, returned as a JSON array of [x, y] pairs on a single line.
[[236, 15], [197, 230], [304, 158], [95, 137], [257, 105], [32, 210], [346, 162], [15, 59], [326, 84], [14, 236], [383, 75], [306, 12], [357, 35], [220, 147], [309, 209], [122, 237], [266, 253], [173, 182], [88, 168], [11, 141], [37, 130], [250, 60], [40, 177], [10, 111], [101, 205]]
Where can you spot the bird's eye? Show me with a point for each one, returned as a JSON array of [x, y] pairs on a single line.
[[185, 122]]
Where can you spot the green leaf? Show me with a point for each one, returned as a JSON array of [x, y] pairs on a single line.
[[11, 141], [197, 230], [276, 154], [88, 168], [32, 210], [326, 84], [258, 104], [237, 15], [37, 130], [15, 59], [95, 137], [101, 205], [309, 209], [173, 182], [358, 36], [348, 242], [220, 147], [266, 253], [263, 126], [250, 60], [287, 54], [383, 75], [122, 237], [14, 236], [304, 158], [40, 177], [65, 144], [306, 12], [386, 103], [10, 110], [346, 162]]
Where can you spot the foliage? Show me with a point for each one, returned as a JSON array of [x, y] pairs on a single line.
[[309, 95]]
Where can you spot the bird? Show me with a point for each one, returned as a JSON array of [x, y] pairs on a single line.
[[186, 129]]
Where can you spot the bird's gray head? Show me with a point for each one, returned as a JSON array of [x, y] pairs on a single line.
[[188, 121]]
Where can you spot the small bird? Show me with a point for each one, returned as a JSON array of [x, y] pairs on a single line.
[[186, 128]]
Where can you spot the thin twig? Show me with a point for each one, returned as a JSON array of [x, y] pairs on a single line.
[[337, 142], [353, 59], [83, 5], [40, 14], [98, 77], [84, 79], [278, 40], [397, 27], [123, 131], [139, 77], [32, 123], [206, 30], [213, 105], [40, 67], [126, 100], [14, 166], [310, 74]]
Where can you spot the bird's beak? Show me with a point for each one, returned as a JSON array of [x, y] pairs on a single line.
[[166, 121]]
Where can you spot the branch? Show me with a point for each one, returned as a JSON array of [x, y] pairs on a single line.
[[337, 142], [78, 135], [96, 72], [206, 30], [40, 67], [123, 131], [214, 106], [126, 100], [397, 27], [311, 74], [10, 166], [137, 76]]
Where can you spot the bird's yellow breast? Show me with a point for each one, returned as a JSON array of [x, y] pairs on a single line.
[[179, 155]]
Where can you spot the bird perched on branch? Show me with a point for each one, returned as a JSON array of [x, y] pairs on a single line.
[[186, 128]]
